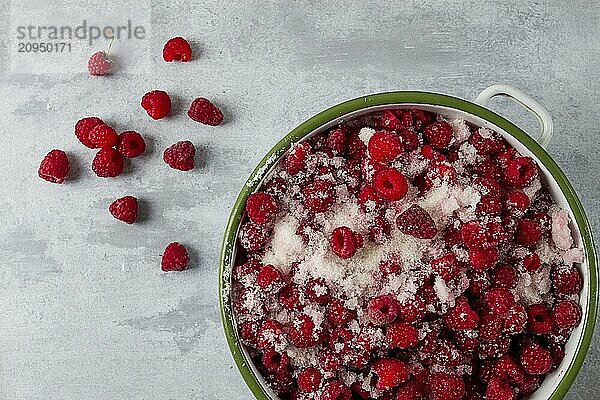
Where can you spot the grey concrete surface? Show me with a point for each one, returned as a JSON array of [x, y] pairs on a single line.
[[85, 312]]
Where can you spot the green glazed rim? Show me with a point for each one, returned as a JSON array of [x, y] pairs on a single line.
[[398, 98]]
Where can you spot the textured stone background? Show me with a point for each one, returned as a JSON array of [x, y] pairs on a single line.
[[85, 311]]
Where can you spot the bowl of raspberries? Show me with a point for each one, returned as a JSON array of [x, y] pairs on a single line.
[[409, 246]]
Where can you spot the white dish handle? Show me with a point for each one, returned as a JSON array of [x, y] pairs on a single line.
[[546, 126]]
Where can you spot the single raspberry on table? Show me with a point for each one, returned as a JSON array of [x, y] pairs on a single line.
[[566, 314], [345, 242], [384, 147], [125, 209], [269, 279], [461, 317], [446, 386], [261, 207], [383, 309], [296, 159], [54, 167], [390, 184], [309, 380], [253, 236], [203, 111], [175, 258], [390, 373], [157, 104], [401, 335], [99, 64], [103, 136], [439, 134], [84, 127], [416, 222], [108, 163], [177, 49], [318, 196], [180, 155], [535, 359], [539, 320], [131, 144]]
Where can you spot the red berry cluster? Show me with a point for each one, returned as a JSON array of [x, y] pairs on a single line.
[[452, 317]]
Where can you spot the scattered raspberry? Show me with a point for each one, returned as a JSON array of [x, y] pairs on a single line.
[[445, 386], [203, 111], [383, 309], [390, 184], [99, 64], [539, 319], [535, 359], [131, 144], [318, 196], [520, 172], [498, 390], [108, 163], [504, 276], [253, 236], [344, 242], [180, 155], [177, 49], [439, 134], [175, 258], [54, 167], [83, 127], [402, 335], [390, 373], [566, 314], [309, 380], [567, 281], [157, 104], [528, 232], [103, 136], [296, 159], [125, 209], [261, 207], [384, 147], [461, 317], [447, 267], [416, 222], [269, 278]]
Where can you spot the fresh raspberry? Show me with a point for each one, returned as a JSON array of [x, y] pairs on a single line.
[[517, 203], [338, 314], [520, 172], [261, 207], [447, 267], [489, 205], [99, 64], [401, 335], [253, 236], [103, 136], [336, 140], [390, 373], [384, 147], [108, 163], [416, 222], [336, 390], [175, 258], [180, 155], [528, 232], [461, 317], [489, 144], [270, 335], [203, 111], [486, 186], [411, 310], [54, 167], [390, 184], [506, 368], [566, 314], [303, 333], [131, 144], [439, 134], [309, 380], [499, 300], [567, 280], [499, 390], [177, 49], [515, 321], [504, 276], [125, 209], [289, 297], [83, 127], [318, 196], [383, 309], [482, 259], [539, 319], [535, 359], [296, 159], [317, 290], [275, 361], [345, 242], [421, 119], [269, 279], [157, 104], [445, 386]]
